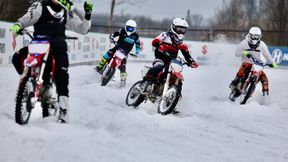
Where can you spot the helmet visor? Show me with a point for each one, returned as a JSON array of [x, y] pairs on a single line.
[[130, 29], [255, 36], [180, 29]]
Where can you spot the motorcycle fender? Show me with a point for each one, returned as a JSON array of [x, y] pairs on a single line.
[[255, 73], [179, 75], [115, 62], [31, 61]]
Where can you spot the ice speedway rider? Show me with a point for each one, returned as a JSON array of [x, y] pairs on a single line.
[[51, 18], [167, 45], [252, 46], [127, 37]]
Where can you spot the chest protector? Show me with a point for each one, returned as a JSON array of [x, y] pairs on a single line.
[[127, 42], [52, 21]]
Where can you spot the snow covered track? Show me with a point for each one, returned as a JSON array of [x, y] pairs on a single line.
[[103, 128]]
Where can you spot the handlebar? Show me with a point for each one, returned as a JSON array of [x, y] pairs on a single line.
[[133, 54], [259, 62], [27, 32], [184, 62]]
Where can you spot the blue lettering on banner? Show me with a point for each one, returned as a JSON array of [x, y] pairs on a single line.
[[279, 55], [203, 59]]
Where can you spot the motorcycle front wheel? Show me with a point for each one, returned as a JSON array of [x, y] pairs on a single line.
[[23, 101], [168, 103], [248, 93], [107, 75]]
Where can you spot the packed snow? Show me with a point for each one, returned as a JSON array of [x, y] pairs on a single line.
[[210, 128]]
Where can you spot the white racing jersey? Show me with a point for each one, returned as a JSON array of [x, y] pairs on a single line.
[[261, 52], [74, 21]]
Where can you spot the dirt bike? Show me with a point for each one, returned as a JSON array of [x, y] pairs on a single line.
[[246, 88], [32, 88], [110, 68], [165, 90]]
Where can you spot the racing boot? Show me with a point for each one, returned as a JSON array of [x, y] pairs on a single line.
[[235, 83], [100, 65], [265, 86], [63, 109], [123, 77], [265, 93]]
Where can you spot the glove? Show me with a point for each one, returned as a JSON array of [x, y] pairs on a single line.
[[194, 64], [15, 28], [161, 48], [88, 7], [247, 54], [137, 51], [274, 65]]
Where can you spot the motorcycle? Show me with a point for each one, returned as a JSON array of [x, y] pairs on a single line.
[[246, 88], [110, 68], [32, 88], [165, 90]]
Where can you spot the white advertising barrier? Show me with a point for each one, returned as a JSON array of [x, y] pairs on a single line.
[[91, 47]]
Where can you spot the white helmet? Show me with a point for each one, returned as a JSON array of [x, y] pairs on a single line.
[[254, 37], [130, 27], [178, 28]]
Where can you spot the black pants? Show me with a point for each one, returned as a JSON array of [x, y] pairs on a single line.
[[61, 76]]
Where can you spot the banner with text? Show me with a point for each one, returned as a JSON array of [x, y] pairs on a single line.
[[91, 47]]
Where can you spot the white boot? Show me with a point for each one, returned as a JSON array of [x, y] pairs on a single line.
[[63, 109]]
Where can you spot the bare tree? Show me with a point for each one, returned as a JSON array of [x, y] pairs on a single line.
[[13, 9], [230, 16], [275, 14], [274, 17], [196, 20], [115, 3]]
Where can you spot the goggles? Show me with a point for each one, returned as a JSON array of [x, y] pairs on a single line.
[[130, 29], [255, 36], [180, 29]]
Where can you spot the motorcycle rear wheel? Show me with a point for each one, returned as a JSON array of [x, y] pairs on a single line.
[[134, 96]]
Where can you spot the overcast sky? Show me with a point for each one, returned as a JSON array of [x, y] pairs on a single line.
[[158, 9]]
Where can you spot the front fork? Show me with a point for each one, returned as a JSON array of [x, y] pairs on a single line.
[[35, 86], [253, 79], [166, 85]]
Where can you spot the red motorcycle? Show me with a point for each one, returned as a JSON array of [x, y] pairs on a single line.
[[246, 88], [110, 68], [32, 88], [166, 90]]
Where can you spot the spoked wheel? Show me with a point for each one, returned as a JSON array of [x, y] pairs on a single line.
[[168, 103], [248, 93], [107, 75], [23, 101], [134, 96]]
